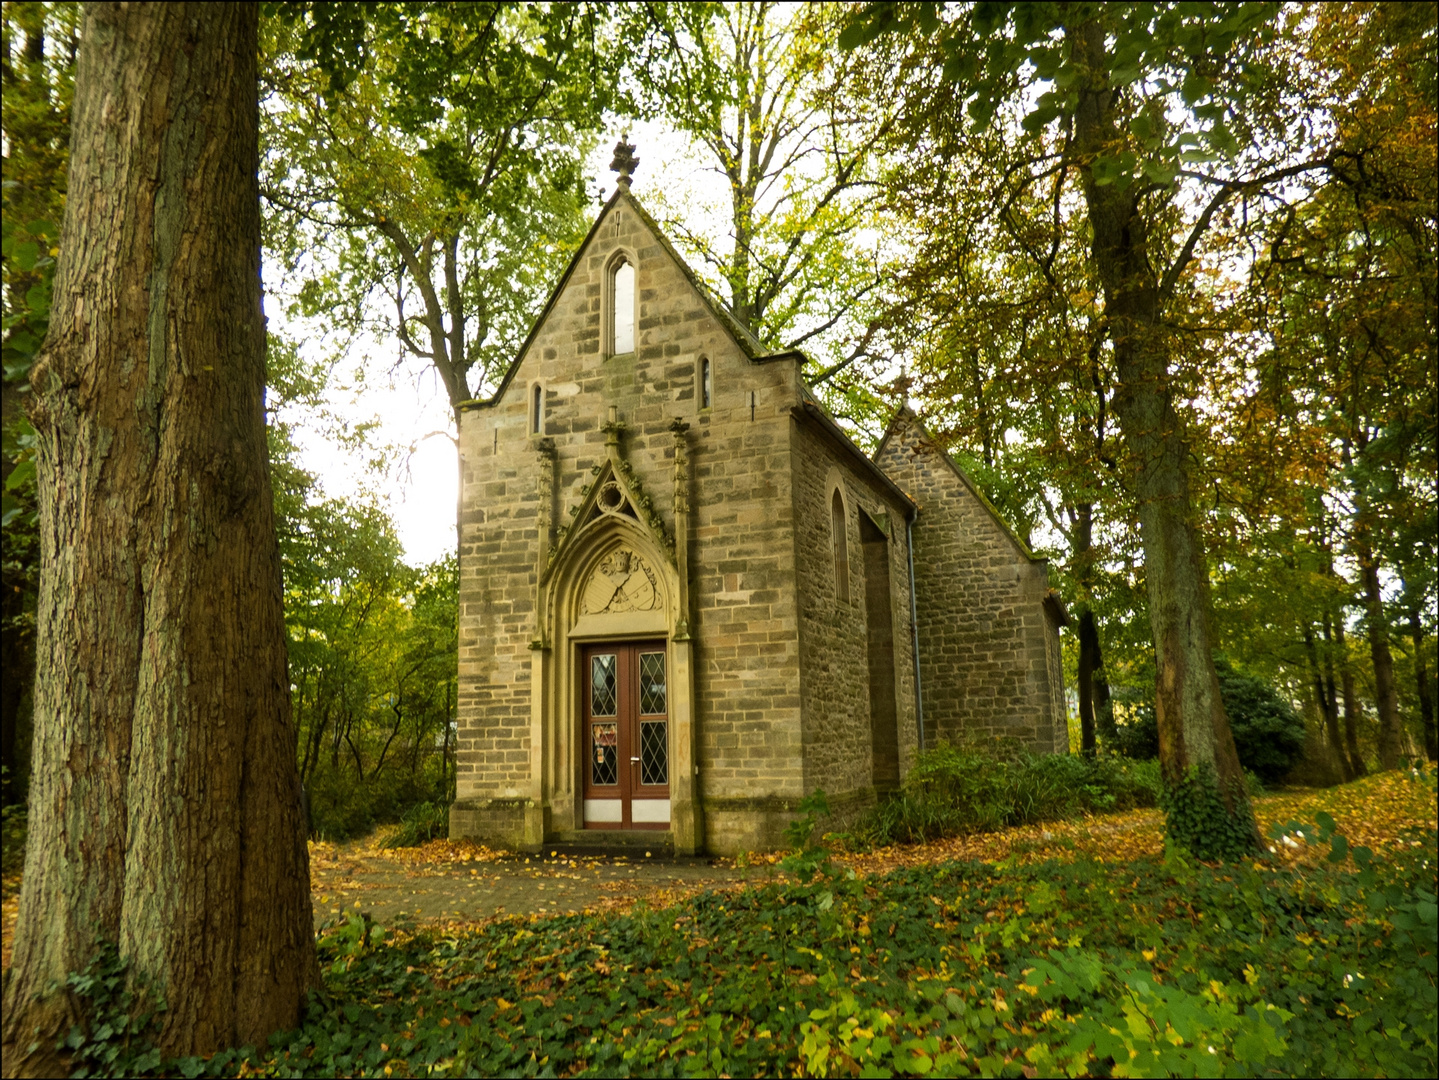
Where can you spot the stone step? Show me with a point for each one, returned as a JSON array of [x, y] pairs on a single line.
[[631, 842]]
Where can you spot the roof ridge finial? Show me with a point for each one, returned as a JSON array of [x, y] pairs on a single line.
[[625, 161]]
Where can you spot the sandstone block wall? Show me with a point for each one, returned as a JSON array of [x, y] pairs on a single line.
[[989, 653], [835, 675], [747, 683]]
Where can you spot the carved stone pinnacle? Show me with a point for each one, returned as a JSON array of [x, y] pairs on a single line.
[[624, 162]]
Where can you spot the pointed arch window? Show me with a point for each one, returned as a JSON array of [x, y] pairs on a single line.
[[706, 383], [840, 539], [537, 409], [622, 313]]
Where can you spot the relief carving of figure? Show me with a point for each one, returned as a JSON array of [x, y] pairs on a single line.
[[621, 582]]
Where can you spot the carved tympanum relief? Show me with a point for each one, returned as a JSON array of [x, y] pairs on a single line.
[[621, 582]]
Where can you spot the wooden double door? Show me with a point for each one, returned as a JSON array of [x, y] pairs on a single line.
[[625, 732]]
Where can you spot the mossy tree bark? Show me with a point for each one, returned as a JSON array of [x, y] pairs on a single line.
[[165, 806], [1193, 727]]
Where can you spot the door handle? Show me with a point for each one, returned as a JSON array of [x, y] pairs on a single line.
[[634, 761]]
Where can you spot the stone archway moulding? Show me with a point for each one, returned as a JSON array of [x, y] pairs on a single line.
[[613, 573]]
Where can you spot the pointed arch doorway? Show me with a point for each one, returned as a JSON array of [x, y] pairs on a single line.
[[625, 732], [614, 585]]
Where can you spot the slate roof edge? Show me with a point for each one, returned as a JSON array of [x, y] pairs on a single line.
[[905, 411], [744, 338], [811, 412]]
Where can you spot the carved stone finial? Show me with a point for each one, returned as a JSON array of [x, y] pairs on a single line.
[[625, 161], [613, 427]]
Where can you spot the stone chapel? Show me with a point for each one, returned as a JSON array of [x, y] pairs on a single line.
[[688, 599]]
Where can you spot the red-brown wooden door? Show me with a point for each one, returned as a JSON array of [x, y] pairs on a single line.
[[625, 732]]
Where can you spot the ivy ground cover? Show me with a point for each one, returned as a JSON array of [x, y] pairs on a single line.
[[1081, 962]]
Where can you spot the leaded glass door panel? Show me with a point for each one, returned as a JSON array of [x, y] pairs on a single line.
[[625, 734]]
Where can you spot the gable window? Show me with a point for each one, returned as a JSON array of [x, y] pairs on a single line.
[[537, 410], [622, 290], [706, 383], [840, 540]]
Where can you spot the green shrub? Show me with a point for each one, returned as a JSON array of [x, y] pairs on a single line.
[[1198, 819], [421, 824], [12, 834], [1268, 733], [983, 787], [341, 807]]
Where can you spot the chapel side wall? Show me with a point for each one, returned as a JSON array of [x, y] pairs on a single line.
[[834, 675], [741, 553], [746, 622], [983, 632]]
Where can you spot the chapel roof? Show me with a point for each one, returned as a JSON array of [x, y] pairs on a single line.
[[905, 417]]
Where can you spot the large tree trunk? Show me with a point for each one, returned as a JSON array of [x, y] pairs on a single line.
[[1327, 705], [1193, 728], [1386, 701], [1347, 768], [1352, 710], [1093, 689], [1426, 688], [165, 807]]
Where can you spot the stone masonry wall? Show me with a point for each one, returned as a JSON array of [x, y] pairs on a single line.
[[985, 640], [742, 550], [834, 677]]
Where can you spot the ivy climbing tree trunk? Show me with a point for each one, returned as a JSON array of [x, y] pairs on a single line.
[[165, 805], [1193, 728]]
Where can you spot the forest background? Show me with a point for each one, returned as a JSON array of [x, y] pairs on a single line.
[[841, 201]]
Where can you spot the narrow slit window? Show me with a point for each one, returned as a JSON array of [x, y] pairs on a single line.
[[706, 384], [841, 547], [624, 307], [537, 410]]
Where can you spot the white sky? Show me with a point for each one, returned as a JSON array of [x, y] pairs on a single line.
[[406, 401]]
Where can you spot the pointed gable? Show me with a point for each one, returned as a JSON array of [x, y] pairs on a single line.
[[748, 344], [907, 447]]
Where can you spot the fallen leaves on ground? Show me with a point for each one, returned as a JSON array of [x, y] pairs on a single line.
[[1372, 811]]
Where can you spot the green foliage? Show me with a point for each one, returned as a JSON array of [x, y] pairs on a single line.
[[799, 266], [118, 1019], [1268, 733], [420, 824], [343, 807], [1201, 820], [1137, 968], [975, 788], [426, 160], [372, 644], [13, 826], [808, 856]]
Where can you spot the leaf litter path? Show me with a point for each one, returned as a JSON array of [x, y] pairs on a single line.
[[457, 882], [461, 881]]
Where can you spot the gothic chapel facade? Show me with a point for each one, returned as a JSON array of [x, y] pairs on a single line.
[[687, 599]]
